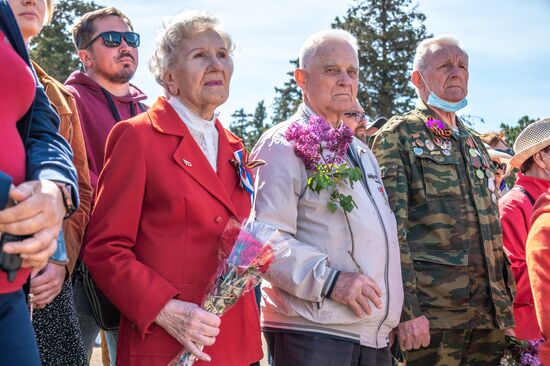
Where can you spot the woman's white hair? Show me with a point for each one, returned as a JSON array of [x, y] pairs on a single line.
[[172, 36], [312, 43], [430, 45]]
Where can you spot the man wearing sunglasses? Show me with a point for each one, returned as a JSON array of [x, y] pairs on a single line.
[[108, 49], [356, 120]]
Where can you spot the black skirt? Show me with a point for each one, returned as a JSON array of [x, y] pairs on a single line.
[[58, 333]]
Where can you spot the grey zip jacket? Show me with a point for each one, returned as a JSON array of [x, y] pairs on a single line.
[[295, 288]]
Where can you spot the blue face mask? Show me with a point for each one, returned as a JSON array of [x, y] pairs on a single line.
[[443, 104]]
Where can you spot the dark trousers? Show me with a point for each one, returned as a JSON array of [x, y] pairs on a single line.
[[289, 349], [17, 343]]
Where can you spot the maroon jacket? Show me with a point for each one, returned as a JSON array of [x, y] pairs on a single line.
[[515, 211], [96, 116]]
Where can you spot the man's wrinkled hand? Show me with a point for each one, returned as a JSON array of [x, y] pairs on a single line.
[[358, 292], [414, 333]]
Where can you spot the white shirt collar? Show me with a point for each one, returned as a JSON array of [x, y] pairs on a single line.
[[190, 117]]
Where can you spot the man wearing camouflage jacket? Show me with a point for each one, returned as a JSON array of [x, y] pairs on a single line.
[[457, 280]]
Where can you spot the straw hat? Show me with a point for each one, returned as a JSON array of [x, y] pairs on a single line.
[[531, 140]]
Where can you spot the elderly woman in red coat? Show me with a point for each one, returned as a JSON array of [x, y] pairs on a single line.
[[166, 192]]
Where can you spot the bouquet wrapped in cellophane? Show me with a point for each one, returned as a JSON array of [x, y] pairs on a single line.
[[254, 246]]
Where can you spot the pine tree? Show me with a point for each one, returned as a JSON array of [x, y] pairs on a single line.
[[54, 49], [239, 123], [512, 132], [248, 126], [288, 97]]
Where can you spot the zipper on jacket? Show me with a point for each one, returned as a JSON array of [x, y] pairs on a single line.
[[386, 279]]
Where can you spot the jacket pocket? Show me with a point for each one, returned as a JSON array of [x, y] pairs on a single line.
[[440, 177], [442, 279]]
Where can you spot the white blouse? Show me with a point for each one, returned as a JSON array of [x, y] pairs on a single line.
[[203, 131]]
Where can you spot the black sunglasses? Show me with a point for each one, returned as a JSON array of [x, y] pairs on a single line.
[[357, 115], [114, 39], [498, 165]]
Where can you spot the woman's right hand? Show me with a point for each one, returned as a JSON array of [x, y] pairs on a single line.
[[190, 325]]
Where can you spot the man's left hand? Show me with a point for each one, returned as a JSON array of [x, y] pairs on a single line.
[[47, 284]]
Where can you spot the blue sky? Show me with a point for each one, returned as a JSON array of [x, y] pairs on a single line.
[[508, 42]]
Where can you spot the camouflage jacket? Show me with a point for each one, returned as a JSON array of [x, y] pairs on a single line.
[[454, 268]]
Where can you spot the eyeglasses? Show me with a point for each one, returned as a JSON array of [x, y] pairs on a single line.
[[113, 39], [497, 165], [358, 116]]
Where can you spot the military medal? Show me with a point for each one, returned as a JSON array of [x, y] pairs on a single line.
[[489, 174], [418, 151], [480, 174], [430, 145], [419, 143], [491, 184], [494, 198], [446, 152]]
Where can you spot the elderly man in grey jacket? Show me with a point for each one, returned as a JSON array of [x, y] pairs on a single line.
[[336, 298]]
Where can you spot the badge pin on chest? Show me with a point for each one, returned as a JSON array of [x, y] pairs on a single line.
[[187, 163]]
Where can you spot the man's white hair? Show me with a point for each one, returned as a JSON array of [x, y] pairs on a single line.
[[310, 46], [430, 45]]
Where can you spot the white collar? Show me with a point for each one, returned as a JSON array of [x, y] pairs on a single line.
[[190, 118]]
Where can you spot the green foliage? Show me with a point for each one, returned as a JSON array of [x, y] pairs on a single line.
[[330, 177], [512, 132], [54, 49], [287, 98], [250, 126], [388, 32]]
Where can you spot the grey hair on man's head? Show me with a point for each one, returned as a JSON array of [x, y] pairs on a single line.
[[312, 43], [430, 45], [173, 34]]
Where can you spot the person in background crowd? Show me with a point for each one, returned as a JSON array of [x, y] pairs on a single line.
[[538, 266], [439, 178], [108, 49], [495, 141], [166, 193], [36, 171], [374, 126], [357, 122], [55, 321], [497, 144], [500, 161], [532, 158], [335, 300]]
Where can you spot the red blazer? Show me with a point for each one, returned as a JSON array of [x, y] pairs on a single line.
[[538, 263], [154, 235], [515, 216]]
